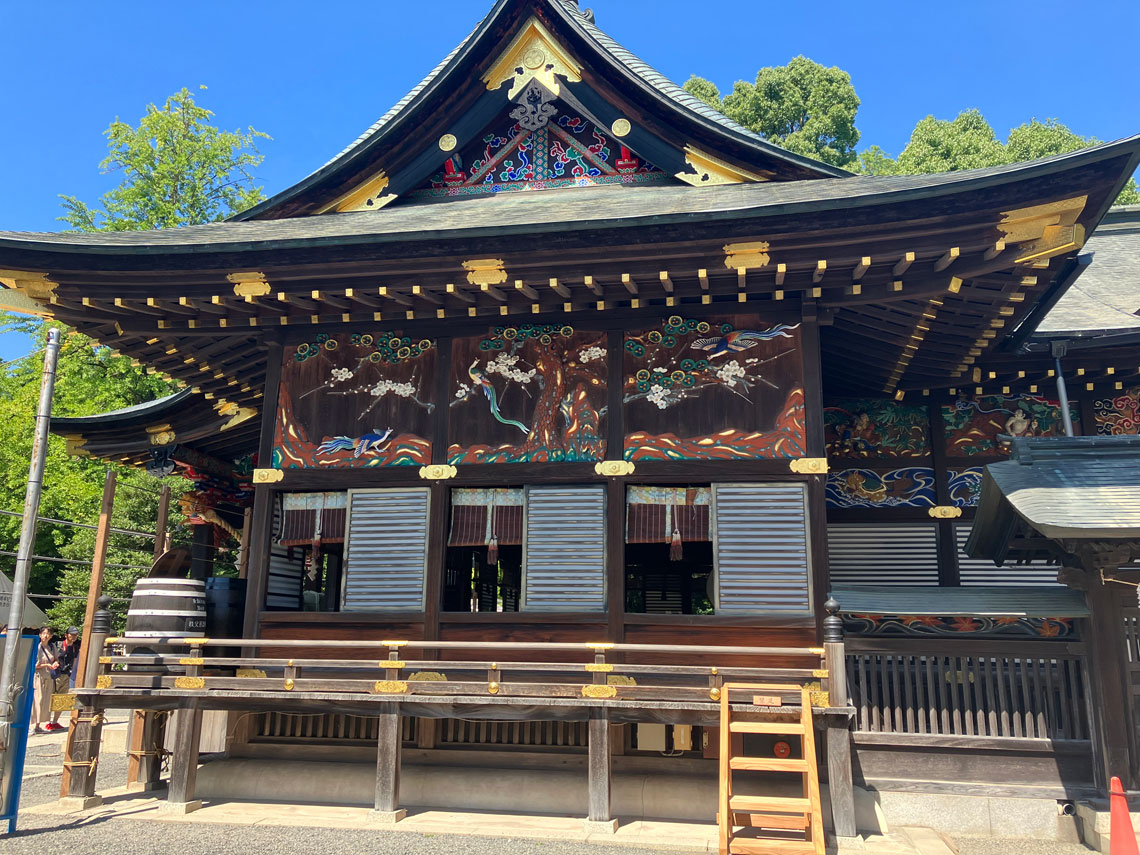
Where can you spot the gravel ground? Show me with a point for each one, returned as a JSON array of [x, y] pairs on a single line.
[[63, 835], [68, 835]]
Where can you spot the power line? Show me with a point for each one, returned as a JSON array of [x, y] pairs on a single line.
[[129, 531], [50, 559]]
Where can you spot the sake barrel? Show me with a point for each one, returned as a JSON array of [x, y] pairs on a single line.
[[166, 609]]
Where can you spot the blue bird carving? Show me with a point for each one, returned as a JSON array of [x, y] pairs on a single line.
[[368, 442], [739, 340]]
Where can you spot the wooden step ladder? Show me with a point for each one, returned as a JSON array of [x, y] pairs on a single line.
[[782, 814]]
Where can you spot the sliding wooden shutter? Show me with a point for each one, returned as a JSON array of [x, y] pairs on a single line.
[[882, 553], [760, 546], [564, 549], [386, 550]]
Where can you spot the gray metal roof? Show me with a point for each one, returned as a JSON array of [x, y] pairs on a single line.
[[1085, 487], [996, 601], [1107, 294], [529, 212]]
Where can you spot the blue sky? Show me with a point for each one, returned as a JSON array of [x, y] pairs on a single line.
[[314, 75]]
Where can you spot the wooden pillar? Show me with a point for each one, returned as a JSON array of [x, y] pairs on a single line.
[[388, 750], [184, 761], [1108, 670], [147, 735], [261, 521], [243, 549], [98, 564], [947, 542], [840, 779], [85, 732], [615, 488], [160, 525], [202, 552], [599, 817], [816, 447]]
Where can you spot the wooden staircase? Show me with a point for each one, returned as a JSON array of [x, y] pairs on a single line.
[[784, 825]]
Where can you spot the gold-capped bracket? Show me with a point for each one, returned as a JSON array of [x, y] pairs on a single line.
[[161, 434], [746, 256], [808, 465], [250, 284], [268, 476], [612, 468], [438, 472], [389, 687], [944, 512], [485, 271], [593, 690]]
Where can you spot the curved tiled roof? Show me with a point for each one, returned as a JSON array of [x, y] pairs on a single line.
[[640, 71]]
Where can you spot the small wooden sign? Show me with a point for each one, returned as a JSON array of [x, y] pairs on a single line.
[[767, 701]]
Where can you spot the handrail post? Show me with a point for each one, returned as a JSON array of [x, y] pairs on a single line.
[[81, 755], [840, 781], [388, 748]]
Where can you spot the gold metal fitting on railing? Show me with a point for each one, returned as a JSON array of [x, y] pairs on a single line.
[[104, 660], [714, 694], [600, 645], [289, 684], [599, 666], [389, 687], [189, 683], [595, 691], [191, 660], [493, 688], [103, 681], [394, 643], [392, 663]]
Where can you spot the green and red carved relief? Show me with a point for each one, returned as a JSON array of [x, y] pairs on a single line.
[[876, 427], [532, 393], [974, 424], [722, 388], [358, 400]]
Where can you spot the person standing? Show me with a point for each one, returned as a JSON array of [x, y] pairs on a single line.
[[65, 674], [47, 663]]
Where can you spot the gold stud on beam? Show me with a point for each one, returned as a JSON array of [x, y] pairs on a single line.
[[630, 285], [1029, 281], [781, 272], [816, 292], [600, 305], [526, 290], [703, 278], [1005, 311], [706, 299], [672, 301], [896, 286], [635, 303], [777, 295], [560, 290], [350, 292], [567, 307], [820, 269], [471, 311], [906, 261], [316, 295], [535, 308], [503, 310], [955, 285], [856, 289], [666, 282], [439, 313], [861, 268], [994, 251], [949, 258], [216, 300], [589, 282]]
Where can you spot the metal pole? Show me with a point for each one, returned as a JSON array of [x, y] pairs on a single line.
[[8, 687], [1063, 394]]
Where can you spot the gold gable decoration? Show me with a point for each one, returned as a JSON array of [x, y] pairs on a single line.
[[709, 171], [366, 196], [533, 54], [1046, 230]]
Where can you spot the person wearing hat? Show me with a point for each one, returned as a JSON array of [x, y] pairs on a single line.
[[66, 672]]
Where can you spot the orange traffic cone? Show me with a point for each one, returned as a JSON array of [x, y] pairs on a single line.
[[1122, 838]]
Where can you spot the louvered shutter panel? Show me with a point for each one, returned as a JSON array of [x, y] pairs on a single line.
[[564, 549], [983, 572], [386, 550], [883, 553], [285, 580], [760, 546]]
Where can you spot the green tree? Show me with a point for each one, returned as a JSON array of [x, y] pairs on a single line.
[[705, 90], [803, 106], [969, 142], [178, 169]]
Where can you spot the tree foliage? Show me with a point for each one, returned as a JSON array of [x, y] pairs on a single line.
[[177, 169], [968, 142], [803, 106]]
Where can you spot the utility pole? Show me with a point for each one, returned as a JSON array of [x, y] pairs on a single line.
[[8, 688]]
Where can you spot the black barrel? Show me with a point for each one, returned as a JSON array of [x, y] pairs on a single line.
[[166, 609], [225, 613]]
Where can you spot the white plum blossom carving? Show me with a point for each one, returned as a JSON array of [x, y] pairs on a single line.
[[386, 387], [729, 372], [462, 391], [504, 364], [339, 375], [589, 354], [659, 396]]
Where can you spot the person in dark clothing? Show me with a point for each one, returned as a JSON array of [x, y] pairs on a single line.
[[68, 668]]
